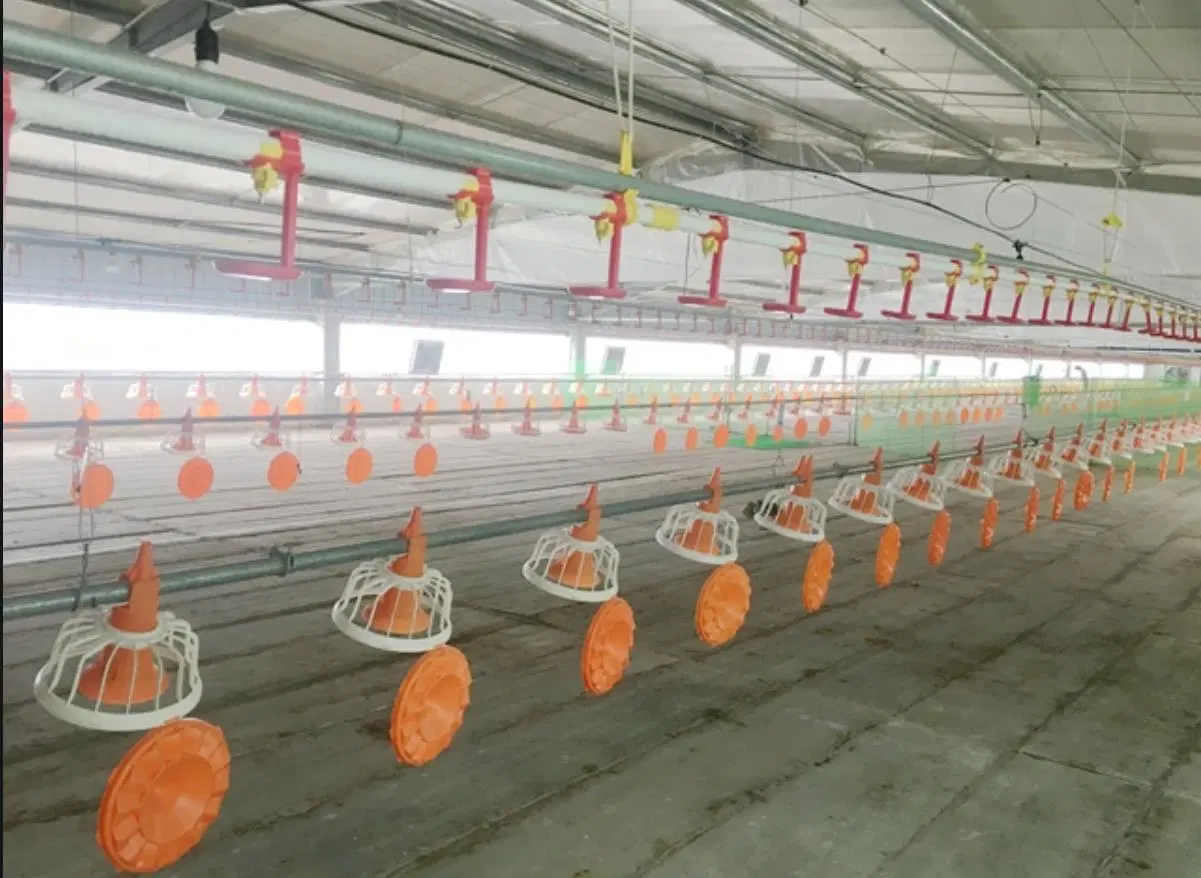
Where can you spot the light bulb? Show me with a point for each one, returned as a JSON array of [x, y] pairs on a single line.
[[208, 52]]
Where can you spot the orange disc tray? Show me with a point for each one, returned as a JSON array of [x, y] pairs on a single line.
[[430, 705], [722, 605], [607, 646], [163, 796]]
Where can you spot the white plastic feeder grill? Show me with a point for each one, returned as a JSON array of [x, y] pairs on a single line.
[[703, 537], [1172, 437], [864, 497], [1015, 470], [1043, 462], [103, 677], [572, 569], [140, 389], [1099, 452], [862, 500], [348, 432], [80, 448], [704, 532], [795, 518], [185, 441], [1072, 455], [398, 604], [967, 478], [792, 512], [914, 485], [271, 440], [72, 390], [384, 610]]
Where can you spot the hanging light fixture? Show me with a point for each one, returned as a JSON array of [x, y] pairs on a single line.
[[208, 53]]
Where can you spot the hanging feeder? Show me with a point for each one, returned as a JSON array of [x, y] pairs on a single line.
[[616, 423], [952, 277], [1073, 453], [207, 405], [527, 427], [185, 441], [864, 497], [348, 432], [253, 391], [273, 438], [80, 448], [1044, 318], [855, 268], [1099, 447], [473, 201], [15, 410], [1045, 458], [477, 429], [622, 211], [920, 485], [713, 244], [704, 532], [792, 512], [793, 256], [969, 475], [1012, 466], [278, 158], [576, 563], [990, 283], [908, 276], [397, 604], [125, 668]]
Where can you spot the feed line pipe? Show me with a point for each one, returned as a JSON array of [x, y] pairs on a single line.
[[46, 47], [282, 562]]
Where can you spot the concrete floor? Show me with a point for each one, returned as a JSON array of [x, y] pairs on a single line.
[[1033, 710]]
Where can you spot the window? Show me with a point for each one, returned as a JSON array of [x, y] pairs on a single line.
[[427, 358], [761, 361], [932, 368], [614, 358], [815, 370], [865, 363]]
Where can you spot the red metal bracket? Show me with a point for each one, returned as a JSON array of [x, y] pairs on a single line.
[[1112, 298], [618, 217], [990, 284], [1150, 328], [715, 241], [953, 277], [1044, 318], [1093, 295], [482, 197], [290, 168], [10, 118], [1072, 290], [1125, 327], [793, 256], [1019, 288], [855, 268], [908, 275]]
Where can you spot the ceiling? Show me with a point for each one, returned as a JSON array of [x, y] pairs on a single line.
[[1091, 106]]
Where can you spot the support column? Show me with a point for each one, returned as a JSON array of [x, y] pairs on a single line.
[[736, 369], [845, 370], [921, 368], [984, 368], [331, 362], [579, 352], [1194, 376]]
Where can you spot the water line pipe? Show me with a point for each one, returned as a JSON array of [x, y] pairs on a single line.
[[186, 135], [46, 47], [282, 562]]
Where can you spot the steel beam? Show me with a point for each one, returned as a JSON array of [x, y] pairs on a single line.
[[680, 169], [795, 45], [438, 23], [959, 27], [588, 20], [155, 29]]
